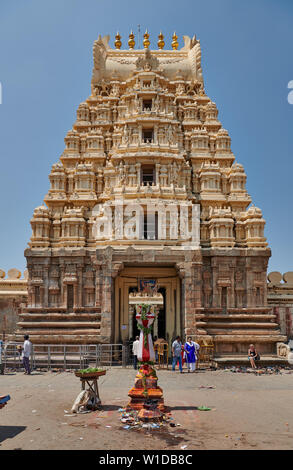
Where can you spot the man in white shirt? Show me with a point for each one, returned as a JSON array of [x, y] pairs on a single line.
[[135, 351], [1, 359], [26, 352]]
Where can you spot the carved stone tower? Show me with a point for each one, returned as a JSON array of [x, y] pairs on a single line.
[[147, 186]]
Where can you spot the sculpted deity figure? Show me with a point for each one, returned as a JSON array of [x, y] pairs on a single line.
[[157, 103], [175, 173], [121, 174], [136, 103], [115, 90], [180, 113], [170, 135], [180, 89], [163, 175], [125, 137]]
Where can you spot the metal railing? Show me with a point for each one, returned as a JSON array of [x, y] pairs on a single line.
[[66, 356]]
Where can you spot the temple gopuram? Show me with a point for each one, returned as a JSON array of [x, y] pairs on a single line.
[[147, 190]]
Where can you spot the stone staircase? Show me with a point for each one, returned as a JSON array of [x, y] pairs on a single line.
[[233, 330], [59, 327]]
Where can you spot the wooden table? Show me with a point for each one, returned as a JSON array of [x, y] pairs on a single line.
[[92, 381]]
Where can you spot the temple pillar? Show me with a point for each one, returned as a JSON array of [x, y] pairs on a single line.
[[106, 303]]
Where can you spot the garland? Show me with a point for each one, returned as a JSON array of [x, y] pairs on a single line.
[[145, 308], [146, 331], [145, 390]]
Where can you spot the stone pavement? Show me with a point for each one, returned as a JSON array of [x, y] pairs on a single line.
[[247, 412]]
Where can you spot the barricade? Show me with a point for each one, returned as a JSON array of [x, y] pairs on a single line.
[[66, 356]]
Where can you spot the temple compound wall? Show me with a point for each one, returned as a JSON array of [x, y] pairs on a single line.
[[148, 181], [280, 298], [13, 296]]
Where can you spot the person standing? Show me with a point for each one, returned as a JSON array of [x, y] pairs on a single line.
[[176, 353], [191, 348], [1, 357], [135, 351], [26, 353]]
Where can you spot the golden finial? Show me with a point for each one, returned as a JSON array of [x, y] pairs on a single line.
[[131, 41], [161, 42], [175, 41], [146, 41], [118, 42]]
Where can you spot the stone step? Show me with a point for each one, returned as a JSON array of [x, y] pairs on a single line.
[[239, 316], [238, 310], [241, 325], [64, 324], [249, 338], [228, 331], [62, 331], [242, 360], [46, 310], [60, 338], [59, 316]]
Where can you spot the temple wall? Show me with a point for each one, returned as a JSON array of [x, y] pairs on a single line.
[[13, 295], [10, 308], [280, 297]]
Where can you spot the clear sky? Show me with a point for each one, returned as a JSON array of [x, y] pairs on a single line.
[[45, 72]]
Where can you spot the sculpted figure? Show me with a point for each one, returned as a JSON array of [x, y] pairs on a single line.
[[170, 135]]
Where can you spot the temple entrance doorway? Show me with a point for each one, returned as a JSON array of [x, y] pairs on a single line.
[[166, 300]]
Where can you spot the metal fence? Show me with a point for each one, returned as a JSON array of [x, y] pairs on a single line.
[[67, 356]]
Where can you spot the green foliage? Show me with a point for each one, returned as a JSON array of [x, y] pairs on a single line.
[[145, 308], [89, 370]]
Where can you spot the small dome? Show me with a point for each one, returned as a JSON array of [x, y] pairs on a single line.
[[223, 133], [83, 105], [236, 168], [41, 210], [254, 211]]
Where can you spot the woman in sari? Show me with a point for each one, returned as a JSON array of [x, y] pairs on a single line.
[[191, 349]]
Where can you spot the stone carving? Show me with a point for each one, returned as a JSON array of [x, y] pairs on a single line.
[[148, 62]]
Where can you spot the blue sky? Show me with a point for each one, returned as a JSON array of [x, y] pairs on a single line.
[[45, 72]]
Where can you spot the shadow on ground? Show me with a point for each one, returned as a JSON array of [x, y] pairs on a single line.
[[8, 432], [110, 407]]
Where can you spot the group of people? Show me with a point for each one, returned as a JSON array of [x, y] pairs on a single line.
[[190, 353]]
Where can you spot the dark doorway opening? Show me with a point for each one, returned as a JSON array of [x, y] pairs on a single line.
[[162, 315], [69, 296], [147, 136], [135, 329]]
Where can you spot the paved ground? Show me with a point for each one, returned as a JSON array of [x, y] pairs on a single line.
[[248, 412]]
